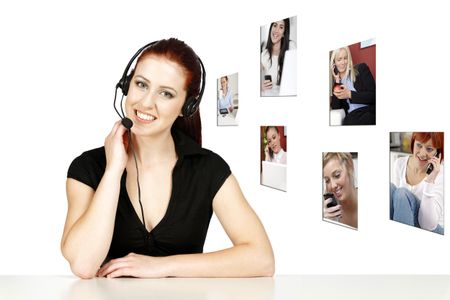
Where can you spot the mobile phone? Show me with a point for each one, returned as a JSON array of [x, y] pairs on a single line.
[[335, 70], [430, 166], [268, 77], [333, 201]]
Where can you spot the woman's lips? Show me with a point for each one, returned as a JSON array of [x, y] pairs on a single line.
[[338, 192], [145, 117], [422, 160]]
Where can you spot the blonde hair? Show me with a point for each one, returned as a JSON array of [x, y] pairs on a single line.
[[350, 72], [345, 159]]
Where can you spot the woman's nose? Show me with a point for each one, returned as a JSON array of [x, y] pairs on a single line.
[[333, 184], [148, 100]]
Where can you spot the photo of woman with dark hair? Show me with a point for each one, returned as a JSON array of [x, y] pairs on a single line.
[[273, 57]]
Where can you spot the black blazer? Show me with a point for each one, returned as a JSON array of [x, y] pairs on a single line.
[[365, 90]]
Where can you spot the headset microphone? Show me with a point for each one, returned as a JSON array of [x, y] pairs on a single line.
[[127, 123]]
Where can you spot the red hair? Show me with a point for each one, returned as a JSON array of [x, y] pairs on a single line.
[[437, 140], [179, 52]]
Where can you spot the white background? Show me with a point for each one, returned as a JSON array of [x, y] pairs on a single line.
[[59, 64]]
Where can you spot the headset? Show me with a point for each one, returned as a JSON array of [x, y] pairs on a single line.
[[191, 104], [189, 108]]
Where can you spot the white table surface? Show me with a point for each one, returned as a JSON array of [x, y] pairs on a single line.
[[228, 119], [361, 287]]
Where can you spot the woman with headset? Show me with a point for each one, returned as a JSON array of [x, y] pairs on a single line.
[[141, 205]]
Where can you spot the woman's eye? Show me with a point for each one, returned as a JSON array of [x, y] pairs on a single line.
[[430, 150], [141, 84], [167, 94], [337, 175], [418, 145]]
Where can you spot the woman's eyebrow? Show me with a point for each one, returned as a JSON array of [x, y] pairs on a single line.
[[142, 77]]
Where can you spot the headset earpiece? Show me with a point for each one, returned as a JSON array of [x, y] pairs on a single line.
[[190, 107], [124, 83]]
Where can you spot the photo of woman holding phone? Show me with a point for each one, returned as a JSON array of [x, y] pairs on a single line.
[[274, 152], [352, 88], [341, 195], [273, 55], [417, 183]]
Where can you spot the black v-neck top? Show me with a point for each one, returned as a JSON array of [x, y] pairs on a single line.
[[196, 178]]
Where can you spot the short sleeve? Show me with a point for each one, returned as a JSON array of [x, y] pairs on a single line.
[[218, 171], [89, 167]]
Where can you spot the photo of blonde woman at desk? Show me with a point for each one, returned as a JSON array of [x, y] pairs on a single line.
[[274, 156], [340, 199], [227, 100], [279, 58], [417, 181], [141, 205]]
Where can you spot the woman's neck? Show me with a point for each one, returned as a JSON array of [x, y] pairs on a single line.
[[414, 168], [155, 149], [276, 48], [351, 203]]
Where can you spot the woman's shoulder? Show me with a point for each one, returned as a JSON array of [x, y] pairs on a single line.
[[212, 161], [88, 167], [362, 67], [400, 162], [92, 155], [265, 57]]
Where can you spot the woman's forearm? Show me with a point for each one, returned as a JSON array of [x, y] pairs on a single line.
[[239, 261], [431, 206], [87, 243]]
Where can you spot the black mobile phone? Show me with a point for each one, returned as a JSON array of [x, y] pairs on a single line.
[[430, 166], [335, 70], [333, 201], [268, 77]]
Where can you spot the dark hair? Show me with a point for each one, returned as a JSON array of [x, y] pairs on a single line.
[[267, 130], [437, 139], [284, 47], [180, 53]]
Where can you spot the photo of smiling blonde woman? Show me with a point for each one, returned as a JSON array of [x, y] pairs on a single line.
[[340, 199]]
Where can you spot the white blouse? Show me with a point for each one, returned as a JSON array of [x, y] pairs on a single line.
[[430, 195]]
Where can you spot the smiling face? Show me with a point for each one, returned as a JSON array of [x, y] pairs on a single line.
[[277, 32], [337, 180], [223, 83], [341, 60], [156, 95], [273, 140], [422, 152]]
